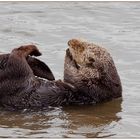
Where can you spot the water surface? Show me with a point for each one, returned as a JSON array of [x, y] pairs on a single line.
[[114, 25]]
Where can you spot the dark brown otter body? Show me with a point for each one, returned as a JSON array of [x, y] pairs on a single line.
[[91, 70], [19, 88]]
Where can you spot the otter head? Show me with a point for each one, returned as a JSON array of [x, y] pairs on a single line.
[[87, 54], [88, 62]]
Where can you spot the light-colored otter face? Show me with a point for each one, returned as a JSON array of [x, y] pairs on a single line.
[[78, 51], [89, 54]]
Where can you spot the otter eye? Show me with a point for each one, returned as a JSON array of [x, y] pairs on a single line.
[[91, 59]]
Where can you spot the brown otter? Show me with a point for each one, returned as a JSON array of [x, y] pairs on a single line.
[[91, 69], [20, 88], [90, 76]]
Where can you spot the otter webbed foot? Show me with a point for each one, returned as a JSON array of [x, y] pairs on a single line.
[[27, 50], [40, 69]]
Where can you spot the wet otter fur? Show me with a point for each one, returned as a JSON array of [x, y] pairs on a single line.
[[38, 67], [20, 88], [91, 69]]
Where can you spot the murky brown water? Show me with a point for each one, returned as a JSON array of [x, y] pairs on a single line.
[[115, 25], [73, 121]]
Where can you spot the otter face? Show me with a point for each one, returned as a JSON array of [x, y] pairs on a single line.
[[77, 49], [88, 54]]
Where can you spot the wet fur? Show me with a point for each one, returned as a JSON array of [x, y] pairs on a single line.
[[38, 67], [88, 79], [20, 88], [90, 68]]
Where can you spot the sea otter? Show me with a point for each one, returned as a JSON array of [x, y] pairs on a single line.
[[20, 88], [90, 76], [91, 69]]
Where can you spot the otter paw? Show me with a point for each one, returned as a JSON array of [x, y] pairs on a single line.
[[28, 50]]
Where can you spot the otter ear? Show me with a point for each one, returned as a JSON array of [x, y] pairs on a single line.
[[40, 69]]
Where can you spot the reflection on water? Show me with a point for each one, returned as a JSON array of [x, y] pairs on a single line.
[[49, 25], [71, 121], [92, 121]]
